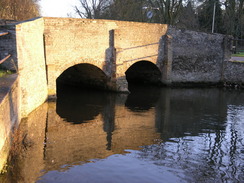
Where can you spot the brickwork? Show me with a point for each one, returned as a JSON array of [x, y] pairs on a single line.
[[31, 65], [74, 41]]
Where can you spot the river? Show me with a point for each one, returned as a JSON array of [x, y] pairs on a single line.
[[151, 135]]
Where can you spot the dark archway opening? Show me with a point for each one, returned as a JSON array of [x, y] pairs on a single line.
[[85, 76], [81, 93], [143, 73], [143, 80]]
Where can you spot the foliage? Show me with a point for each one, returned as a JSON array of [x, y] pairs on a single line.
[[205, 15], [91, 8], [234, 18], [111, 9], [239, 54], [18, 9], [189, 14], [168, 10], [119, 10], [5, 72], [188, 18]]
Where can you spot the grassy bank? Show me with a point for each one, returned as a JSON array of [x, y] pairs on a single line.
[[239, 54], [5, 72]]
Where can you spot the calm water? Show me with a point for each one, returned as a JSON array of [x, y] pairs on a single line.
[[152, 135]]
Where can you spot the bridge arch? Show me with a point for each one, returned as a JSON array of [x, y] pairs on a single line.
[[83, 75], [143, 72]]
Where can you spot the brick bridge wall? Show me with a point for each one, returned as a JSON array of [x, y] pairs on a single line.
[[73, 41], [26, 47]]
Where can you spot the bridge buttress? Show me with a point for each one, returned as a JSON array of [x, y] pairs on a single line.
[[165, 59], [118, 82]]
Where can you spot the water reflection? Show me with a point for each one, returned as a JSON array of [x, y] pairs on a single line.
[[172, 135], [183, 112], [142, 98], [82, 105]]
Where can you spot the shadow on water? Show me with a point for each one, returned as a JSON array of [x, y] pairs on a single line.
[[77, 105], [142, 98]]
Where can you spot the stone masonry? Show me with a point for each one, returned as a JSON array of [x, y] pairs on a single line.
[[43, 48], [112, 46]]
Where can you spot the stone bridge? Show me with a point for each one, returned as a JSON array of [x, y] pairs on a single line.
[[99, 52], [108, 54], [55, 44]]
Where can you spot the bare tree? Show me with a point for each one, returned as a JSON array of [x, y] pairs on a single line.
[[188, 18], [168, 10], [91, 8], [128, 10], [234, 15]]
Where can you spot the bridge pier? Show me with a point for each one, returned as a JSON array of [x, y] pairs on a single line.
[[122, 85], [118, 82], [165, 58]]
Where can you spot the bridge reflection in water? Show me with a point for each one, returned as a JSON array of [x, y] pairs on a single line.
[[153, 134]]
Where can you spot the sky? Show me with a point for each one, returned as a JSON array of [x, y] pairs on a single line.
[[57, 8]]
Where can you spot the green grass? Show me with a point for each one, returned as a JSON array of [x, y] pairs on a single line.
[[5, 72], [240, 54]]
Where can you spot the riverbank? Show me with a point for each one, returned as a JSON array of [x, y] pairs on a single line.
[[9, 113], [4, 73]]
